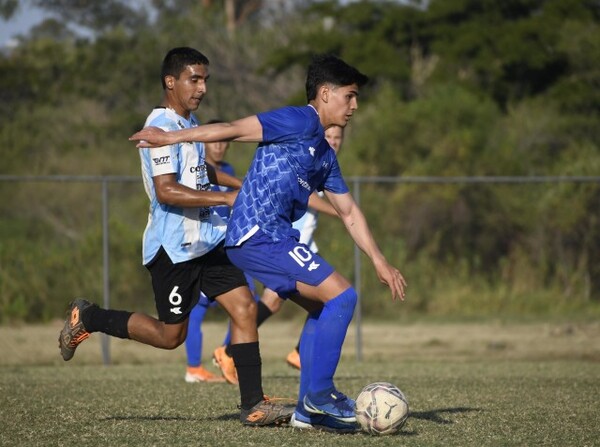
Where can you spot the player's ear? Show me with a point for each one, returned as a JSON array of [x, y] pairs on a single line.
[[169, 81], [324, 92]]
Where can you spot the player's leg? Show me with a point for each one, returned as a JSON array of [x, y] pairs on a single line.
[[193, 340], [330, 328], [222, 355], [274, 302], [289, 265], [195, 372], [271, 300], [85, 318], [175, 293], [226, 284], [308, 344], [266, 306]]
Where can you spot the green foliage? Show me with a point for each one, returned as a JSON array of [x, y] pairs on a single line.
[[458, 88]]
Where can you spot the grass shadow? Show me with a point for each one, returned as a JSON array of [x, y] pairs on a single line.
[[436, 415], [148, 418]]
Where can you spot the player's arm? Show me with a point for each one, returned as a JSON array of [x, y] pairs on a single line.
[[217, 177], [323, 206], [224, 179], [356, 224], [170, 192], [246, 129]]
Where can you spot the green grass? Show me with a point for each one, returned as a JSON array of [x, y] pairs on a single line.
[[467, 384]]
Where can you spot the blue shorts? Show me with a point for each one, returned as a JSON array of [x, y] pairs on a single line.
[[278, 265]]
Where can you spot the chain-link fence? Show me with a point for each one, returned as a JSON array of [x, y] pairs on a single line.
[[81, 235]]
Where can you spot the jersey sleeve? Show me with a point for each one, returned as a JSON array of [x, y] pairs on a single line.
[[164, 159], [284, 124], [334, 182]]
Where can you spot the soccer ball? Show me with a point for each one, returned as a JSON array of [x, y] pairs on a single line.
[[381, 408]]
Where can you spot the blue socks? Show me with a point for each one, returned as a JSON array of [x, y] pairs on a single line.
[[307, 344], [193, 340], [321, 346]]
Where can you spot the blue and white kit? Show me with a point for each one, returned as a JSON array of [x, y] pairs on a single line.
[[185, 233]]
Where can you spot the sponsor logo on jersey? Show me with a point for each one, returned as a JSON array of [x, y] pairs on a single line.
[[304, 183], [161, 160], [312, 151]]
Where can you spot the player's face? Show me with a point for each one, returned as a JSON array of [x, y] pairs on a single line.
[[189, 90], [335, 136], [215, 152], [343, 101]]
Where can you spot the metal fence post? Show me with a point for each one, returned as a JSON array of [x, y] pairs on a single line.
[[104, 340], [357, 282]]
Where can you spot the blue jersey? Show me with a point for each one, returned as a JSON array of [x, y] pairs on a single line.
[[293, 160], [185, 233], [223, 210]]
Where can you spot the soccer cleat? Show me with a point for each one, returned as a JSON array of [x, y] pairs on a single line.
[[225, 364], [73, 331], [339, 407], [321, 422], [195, 374], [293, 359], [267, 412]]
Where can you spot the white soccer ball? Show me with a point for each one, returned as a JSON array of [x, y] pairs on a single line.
[[381, 408]]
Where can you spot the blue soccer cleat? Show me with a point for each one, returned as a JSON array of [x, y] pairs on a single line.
[[321, 422], [337, 405]]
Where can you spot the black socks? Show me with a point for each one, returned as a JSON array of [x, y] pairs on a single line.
[[108, 321], [246, 357]]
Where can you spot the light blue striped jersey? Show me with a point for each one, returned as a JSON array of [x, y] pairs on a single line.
[[307, 225], [293, 160], [185, 233]]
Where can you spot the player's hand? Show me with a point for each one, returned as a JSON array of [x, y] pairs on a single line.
[[152, 137], [391, 276]]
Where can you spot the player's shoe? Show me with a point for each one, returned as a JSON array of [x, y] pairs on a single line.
[[321, 422], [268, 412], [225, 364], [337, 405], [195, 374], [293, 359], [73, 331]]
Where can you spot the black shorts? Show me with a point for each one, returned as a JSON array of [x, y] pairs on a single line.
[[177, 286]]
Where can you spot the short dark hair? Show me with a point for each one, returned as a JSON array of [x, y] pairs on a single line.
[[177, 59], [329, 69]]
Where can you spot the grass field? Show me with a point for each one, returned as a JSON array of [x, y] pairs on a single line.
[[478, 384]]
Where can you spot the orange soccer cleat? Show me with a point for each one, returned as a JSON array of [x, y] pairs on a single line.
[[225, 364], [293, 359], [195, 374]]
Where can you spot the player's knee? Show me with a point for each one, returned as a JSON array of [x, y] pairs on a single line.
[[274, 305], [172, 336], [171, 344], [243, 311], [350, 297]]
